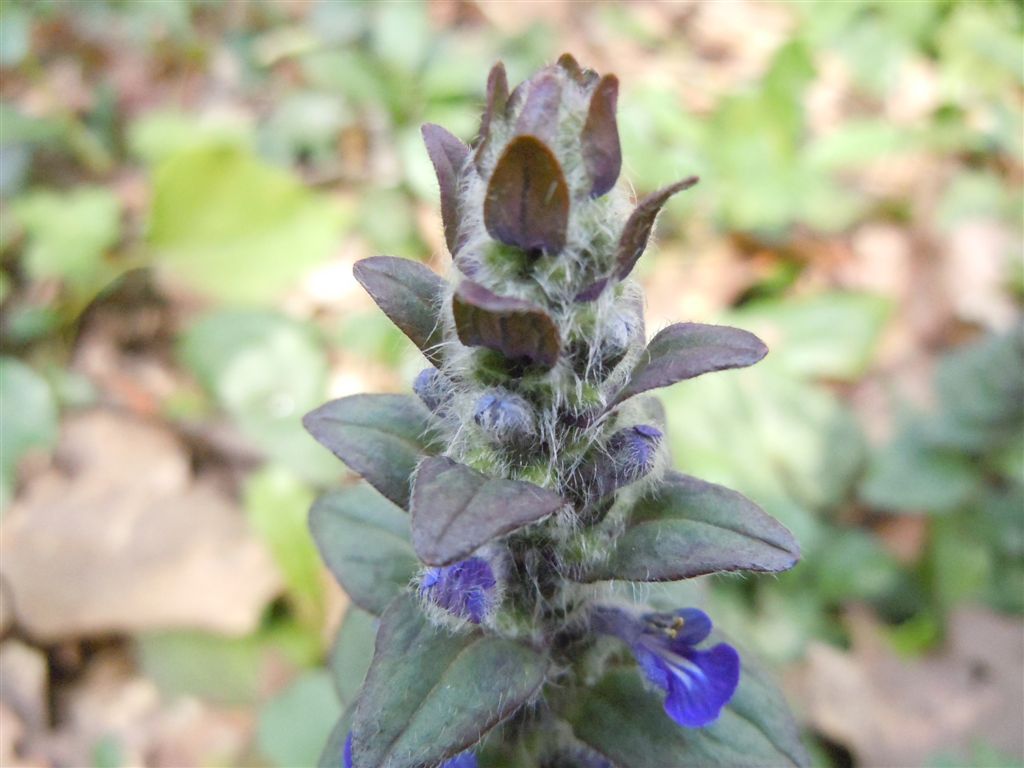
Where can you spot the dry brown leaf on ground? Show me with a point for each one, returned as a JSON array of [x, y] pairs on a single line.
[[894, 711], [112, 704], [120, 538]]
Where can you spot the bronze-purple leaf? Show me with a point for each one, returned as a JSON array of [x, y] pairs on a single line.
[[513, 327], [497, 99], [602, 155], [637, 231], [381, 437], [497, 95], [449, 156], [456, 510], [410, 294], [592, 291], [689, 527], [527, 202], [430, 693], [685, 350], [539, 115], [583, 77]]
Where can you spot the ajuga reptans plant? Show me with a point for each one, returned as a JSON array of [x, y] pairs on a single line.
[[520, 499]]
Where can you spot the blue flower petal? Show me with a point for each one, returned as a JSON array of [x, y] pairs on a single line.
[[700, 688], [347, 754], [696, 627], [465, 589], [653, 666]]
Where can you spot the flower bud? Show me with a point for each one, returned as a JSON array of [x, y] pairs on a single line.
[[467, 589], [508, 418], [432, 387], [634, 450]]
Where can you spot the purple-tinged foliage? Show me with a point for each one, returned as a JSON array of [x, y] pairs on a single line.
[[530, 449], [581, 76], [540, 110], [688, 527], [464, 760], [602, 155], [467, 589], [637, 231], [409, 294], [449, 156], [697, 683], [456, 509], [497, 99], [517, 329], [527, 203], [380, 437], [685, 350], [577, 757]]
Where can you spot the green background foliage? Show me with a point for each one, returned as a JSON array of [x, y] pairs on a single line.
[[263, 147]]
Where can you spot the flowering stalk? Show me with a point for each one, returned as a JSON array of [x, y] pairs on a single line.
[[529, 473]]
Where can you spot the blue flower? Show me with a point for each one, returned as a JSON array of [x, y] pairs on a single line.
[[697, 683], [464, 760], [466, 589]]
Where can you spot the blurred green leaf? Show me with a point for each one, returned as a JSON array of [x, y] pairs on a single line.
[[917, 634], [107, 753], [304, 127], [236, 228], [909, 475], [350, 72], [15, 34], [20, 137], [372, 336], [856, 142], [28, 413], [223, 670], [69, 235], [959, 562], [387, 220], [352, 652], [974, 195], [795, 331], [294, 725], [979, 754], [401, 34], [981, 395], [790, 446], [277, 503], [266, 371], [979, 46], [161, 134], [852, 565], [935, 461]]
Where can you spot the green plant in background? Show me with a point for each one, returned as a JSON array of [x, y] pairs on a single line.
[[963, 463], [531, 472], [322, 130]]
